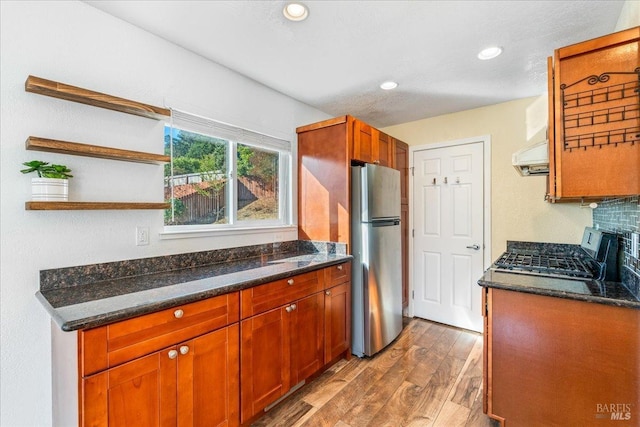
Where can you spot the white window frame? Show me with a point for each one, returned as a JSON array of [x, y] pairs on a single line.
[[235, 135]]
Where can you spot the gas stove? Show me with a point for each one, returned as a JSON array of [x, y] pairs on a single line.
[[597, 260]]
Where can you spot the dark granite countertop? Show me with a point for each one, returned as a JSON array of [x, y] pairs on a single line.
[[596, 291], [95, 295], [611, 293]]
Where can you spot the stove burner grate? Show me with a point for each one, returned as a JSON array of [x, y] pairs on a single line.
[[547, 264]]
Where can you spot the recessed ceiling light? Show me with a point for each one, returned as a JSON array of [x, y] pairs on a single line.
[[295, 11], [490, 52], [388, 85]]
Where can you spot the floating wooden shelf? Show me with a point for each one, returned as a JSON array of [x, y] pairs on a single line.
[[97, 99], [83, 206], [77, 149]]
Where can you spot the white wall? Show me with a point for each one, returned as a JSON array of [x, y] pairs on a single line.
[[518, 209], [74, 43], [629, 16]]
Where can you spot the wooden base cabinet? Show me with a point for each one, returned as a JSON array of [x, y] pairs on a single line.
[[194, 382], [280, 348], [285, 337], [559, 362], [195, 365], [337, 322], [594, 120]]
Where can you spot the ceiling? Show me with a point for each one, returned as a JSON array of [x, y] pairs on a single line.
[[336, 59]]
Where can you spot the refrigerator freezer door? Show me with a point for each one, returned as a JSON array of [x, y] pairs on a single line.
[[380, 192], [381, 285]]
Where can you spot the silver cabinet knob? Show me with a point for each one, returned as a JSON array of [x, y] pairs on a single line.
[[184, 349], [172, 354], [291, 308], [340, 267], [178, 314], [474, 247], [327, 292], [290, 281]]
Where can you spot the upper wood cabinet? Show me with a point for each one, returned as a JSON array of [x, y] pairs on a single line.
[[402, 164], [325, 152], [372, 146], [324, 174], [594, 119]]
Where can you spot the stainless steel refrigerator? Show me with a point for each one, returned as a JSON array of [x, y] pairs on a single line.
[[377, 265]]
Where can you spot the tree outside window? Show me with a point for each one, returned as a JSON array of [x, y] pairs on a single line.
[[201, 185]]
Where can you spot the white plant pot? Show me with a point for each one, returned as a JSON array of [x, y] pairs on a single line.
[[49, 189]]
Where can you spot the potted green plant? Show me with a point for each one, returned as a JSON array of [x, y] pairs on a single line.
[[52, 183]]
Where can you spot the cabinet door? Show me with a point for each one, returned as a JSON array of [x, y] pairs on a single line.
[[265, 362], [404, 242], [364, 139], [402, 164], [385, 151], [307, 337], [337, 321], [138, 393], [208, 379], [597, 125], [323, 183]]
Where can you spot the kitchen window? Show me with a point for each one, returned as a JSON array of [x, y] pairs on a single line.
[[224, 177]]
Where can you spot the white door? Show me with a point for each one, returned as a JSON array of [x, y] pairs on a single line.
[[449, 237]]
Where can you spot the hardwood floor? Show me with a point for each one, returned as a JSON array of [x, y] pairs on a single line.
[[430, 376]]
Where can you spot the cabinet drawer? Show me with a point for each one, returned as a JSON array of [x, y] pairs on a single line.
[[274, 294], [107, 346], [337, 274]]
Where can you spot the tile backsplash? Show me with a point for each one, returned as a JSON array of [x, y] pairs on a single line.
[[622, 216]]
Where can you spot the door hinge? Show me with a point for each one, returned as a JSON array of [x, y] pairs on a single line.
[[413, 232], [412, 169], [413, 294]]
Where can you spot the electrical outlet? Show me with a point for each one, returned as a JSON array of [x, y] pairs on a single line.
[[142, 236]]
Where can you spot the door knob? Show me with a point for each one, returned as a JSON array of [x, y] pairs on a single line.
[[184, 349], [172, 354], [474, 247]]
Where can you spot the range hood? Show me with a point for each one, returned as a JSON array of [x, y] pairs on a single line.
[[532, 160]]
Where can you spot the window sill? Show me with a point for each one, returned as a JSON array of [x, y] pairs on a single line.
[[279, 230]]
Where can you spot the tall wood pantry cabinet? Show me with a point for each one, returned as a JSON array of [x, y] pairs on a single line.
[[594, 118], [326, 151]]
